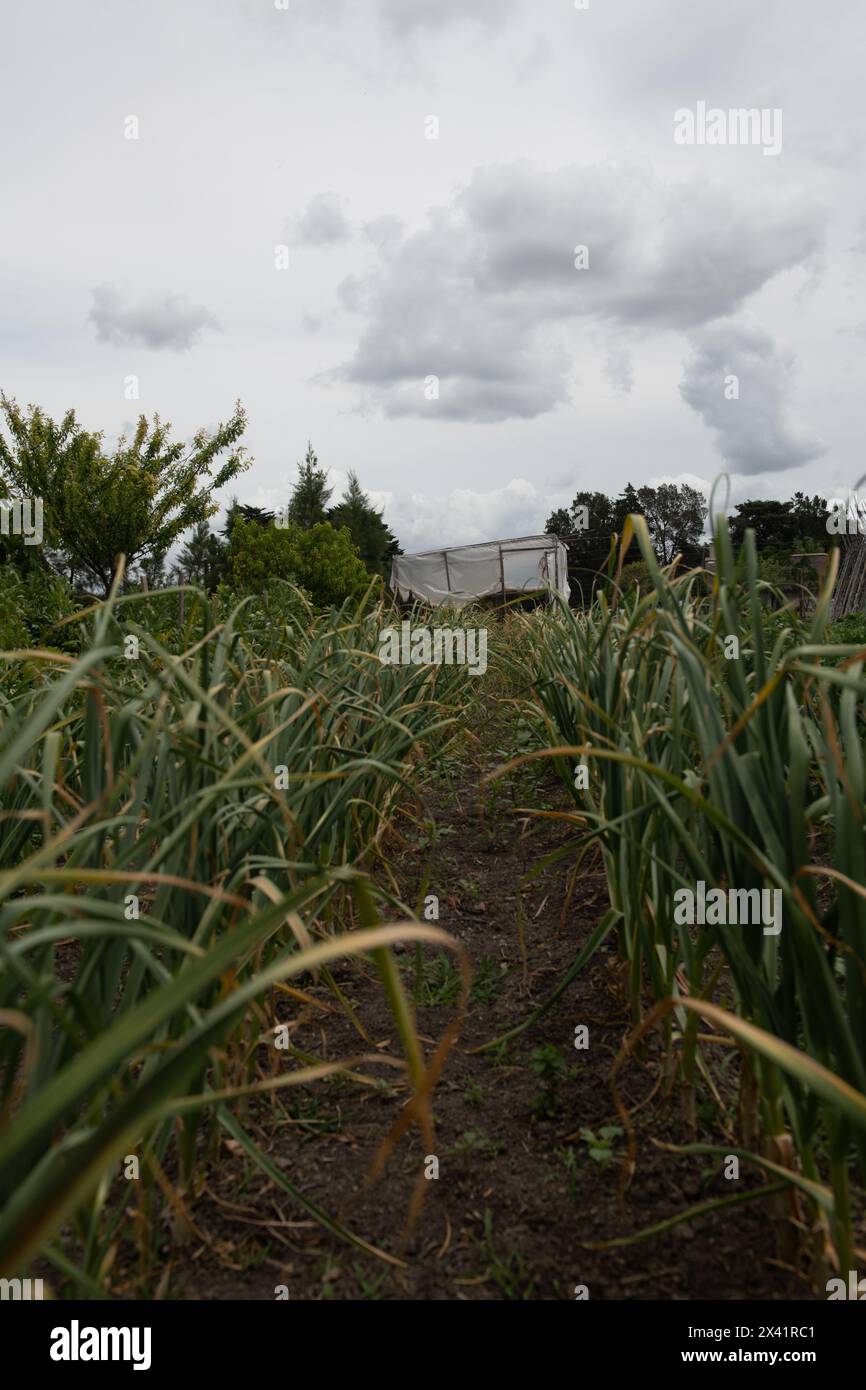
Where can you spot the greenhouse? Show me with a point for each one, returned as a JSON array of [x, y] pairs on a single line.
[[503, 569]]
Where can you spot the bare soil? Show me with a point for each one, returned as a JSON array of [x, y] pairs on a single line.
[[521, 1193]]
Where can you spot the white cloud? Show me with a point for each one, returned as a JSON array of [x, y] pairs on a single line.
[[425, 521], [682, 480], [485, 296], [323, 222], [406, 16], [619, 370], [758, 432], [160, 321]]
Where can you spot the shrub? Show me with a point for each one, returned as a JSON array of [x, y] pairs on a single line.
[[30, 608], [321, 560], [635, 576], [851, 628]]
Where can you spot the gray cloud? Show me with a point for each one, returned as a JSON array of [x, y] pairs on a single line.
[[535, 59], [405, 16], [464, 515], [402, 18], [323, 222], [385, 232], [162, 321], [664, 255], [757, 433], [619, 370], [485, 296]]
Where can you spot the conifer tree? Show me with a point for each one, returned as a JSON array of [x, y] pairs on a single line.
[[376, 545], [311, 492]]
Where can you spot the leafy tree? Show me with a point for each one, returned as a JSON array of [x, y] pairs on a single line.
[[587, 527], [770, 520], [675, 515], [375, 543], [321, 560], [810, 519], [783, 528], [559, 523], [311, 493], [135, 501]]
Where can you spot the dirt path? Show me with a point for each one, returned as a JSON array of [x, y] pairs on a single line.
[[519, 1190]]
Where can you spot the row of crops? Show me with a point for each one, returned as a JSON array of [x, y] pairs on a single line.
[[183, 814], [196, 798], [724, 745]]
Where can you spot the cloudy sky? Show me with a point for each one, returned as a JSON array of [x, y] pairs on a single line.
[[430, 168]]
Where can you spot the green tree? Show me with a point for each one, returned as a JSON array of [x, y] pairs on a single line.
[[375, 543], [236, 509], [783, 528], [135, 501], [151, 571], [587, 527], [675, 515], [771, 522], [321, 560], [627, 504], [309, 500], [203, 560]]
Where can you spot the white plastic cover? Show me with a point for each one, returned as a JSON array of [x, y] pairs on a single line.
[[463, 573]]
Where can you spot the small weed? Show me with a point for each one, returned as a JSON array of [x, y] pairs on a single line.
[[600, 1145], [500, 1055], [308, 1116], [569, 1158], [485, 986], [429, 834], [438, 982], [510, 1273], [329, 1274], [475, 1141], [256, 1256], [474, 1093], [548, 1064], [371, 1287]]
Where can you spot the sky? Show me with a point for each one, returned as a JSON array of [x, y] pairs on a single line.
[[364, 219]]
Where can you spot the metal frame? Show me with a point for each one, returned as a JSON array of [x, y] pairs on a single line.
[[486, 545], [547, 542], [447, 570]]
